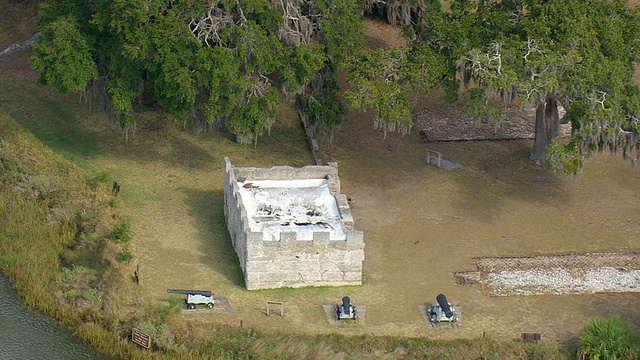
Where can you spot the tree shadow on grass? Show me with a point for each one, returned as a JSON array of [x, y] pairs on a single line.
[[57, 120], [64, 124], [50, 117], [497, 171], [208, 210], [492, 172]]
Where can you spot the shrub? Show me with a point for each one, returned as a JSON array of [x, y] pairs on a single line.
[[125, 256], [100, 178], [121, 232], [161, 334], [77, 286], [114, 203], [608, 338]]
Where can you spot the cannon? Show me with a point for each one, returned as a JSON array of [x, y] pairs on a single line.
[[444, 305], [195, 297], [441, 311], [346, 310]]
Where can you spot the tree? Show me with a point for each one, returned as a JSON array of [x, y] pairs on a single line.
[[63, 57], [338, 29], [551, 53], [383, 79], [220, 61], [608, 338]]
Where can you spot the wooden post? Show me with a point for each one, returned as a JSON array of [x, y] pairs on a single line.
[[136, 274], [438, 155], [116, 188], [275, 303]]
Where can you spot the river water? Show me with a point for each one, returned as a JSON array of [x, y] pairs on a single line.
[[31, 335]]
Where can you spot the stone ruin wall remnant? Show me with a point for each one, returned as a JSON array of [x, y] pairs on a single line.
[[290, 262]]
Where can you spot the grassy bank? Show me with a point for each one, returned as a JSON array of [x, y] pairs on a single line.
[[56, 248]]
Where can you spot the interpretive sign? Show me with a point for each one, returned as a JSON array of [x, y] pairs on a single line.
[[141, 338]]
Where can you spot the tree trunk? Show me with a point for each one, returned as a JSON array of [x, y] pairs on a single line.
[[547, 126]]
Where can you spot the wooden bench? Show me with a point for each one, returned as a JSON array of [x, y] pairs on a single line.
[[431, 154]]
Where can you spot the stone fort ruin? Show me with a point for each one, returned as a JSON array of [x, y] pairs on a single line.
[[291, 227]]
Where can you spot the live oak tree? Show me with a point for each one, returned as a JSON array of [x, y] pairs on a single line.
[[578, 54], [67, 63], [219, 61], [338, 30], [223, 61], [382, 80], [385, 79]]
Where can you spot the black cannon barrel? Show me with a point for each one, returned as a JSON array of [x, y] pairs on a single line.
[[346, 304], [187, 292], [444, 305]]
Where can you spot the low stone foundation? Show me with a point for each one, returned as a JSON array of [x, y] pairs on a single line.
[[291, 227], [583, 273]]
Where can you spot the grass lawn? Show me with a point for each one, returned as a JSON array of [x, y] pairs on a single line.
[[420, 223]]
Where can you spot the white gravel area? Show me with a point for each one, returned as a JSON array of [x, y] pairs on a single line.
[[560, 281]]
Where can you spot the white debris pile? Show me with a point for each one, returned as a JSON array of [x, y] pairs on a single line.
[[300, 206], [538, 281]]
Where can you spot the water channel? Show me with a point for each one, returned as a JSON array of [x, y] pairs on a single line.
[[31, 335]]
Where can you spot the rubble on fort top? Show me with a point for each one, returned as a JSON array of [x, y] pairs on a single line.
[[300, 206]]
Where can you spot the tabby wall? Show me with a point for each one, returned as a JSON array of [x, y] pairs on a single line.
[[288, 261]]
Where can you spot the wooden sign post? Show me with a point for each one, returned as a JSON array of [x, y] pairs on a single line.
[[275, 303], [141, 338]]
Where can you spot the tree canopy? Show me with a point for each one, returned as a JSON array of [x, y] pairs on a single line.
[[224, 62], [382, 79], [580, 55], [220, 61]]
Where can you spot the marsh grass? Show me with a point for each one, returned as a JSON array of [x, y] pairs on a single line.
[[52, 242]]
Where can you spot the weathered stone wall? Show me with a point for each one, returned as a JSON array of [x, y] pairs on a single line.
[[576, 273], [290, 262]]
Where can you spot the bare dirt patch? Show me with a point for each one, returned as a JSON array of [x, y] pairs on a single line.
[[422, 224], [380, 35]]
